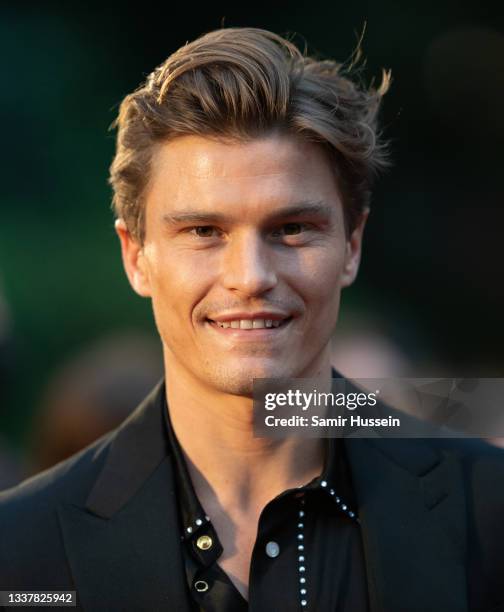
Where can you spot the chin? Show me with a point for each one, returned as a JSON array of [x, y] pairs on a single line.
[[239, 380]]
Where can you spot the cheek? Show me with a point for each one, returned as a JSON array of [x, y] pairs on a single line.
[[319, 277], [320, 289], [178, 283]]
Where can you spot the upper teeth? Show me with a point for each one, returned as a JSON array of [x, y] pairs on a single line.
[[249, 323]]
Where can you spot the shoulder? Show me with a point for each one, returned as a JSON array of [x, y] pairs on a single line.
[[477, 467], [474, 464], [114, 468], [482, 466], [424, 447], [475, 455], [69, 481], [32, 548]]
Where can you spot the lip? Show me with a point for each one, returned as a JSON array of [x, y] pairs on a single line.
[[260, 314]]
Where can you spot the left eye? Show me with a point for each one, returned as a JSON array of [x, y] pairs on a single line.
[[290, 229]]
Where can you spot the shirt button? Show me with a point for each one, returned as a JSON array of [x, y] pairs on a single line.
[[204, 542], [272, 549], [201, 586]]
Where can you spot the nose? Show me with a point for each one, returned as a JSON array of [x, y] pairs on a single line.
[[247, 265]]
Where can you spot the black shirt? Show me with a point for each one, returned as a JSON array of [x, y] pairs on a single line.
[[308, 553]]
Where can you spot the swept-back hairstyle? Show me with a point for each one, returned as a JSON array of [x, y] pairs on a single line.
[[240, 84]]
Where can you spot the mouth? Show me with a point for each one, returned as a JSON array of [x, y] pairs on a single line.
[[251, 326]]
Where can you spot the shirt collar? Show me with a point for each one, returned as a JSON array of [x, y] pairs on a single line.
[[334, 480]]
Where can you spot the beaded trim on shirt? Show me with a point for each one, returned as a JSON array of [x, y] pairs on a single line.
[[303, 587], [190, 529]]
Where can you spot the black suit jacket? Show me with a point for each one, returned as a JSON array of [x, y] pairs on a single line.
[[104, 523]]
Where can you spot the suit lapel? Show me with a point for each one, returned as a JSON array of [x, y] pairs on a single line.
[[410, 500], [124, 546]]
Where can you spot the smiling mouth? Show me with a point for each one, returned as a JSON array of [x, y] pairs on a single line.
[[251, 324]]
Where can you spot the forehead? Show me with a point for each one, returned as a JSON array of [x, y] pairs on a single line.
[[263, 172]]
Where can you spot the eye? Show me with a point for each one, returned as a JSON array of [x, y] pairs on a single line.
[[290, 229], [203, 231]]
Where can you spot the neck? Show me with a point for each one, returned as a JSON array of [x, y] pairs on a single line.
[[227, 464]]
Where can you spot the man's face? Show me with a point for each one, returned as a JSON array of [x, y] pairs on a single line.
[[245, 255]]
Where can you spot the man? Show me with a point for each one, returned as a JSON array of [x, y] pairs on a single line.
[[241, 187]]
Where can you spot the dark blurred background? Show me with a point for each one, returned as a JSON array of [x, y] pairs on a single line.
[[430, 296]]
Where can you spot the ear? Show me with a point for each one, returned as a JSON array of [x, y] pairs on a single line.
[[135, 264], [354, 250]]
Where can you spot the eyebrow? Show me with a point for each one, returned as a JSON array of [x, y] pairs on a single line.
[[296, 210]]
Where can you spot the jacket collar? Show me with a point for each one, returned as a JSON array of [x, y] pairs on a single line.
[[140, 444]]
